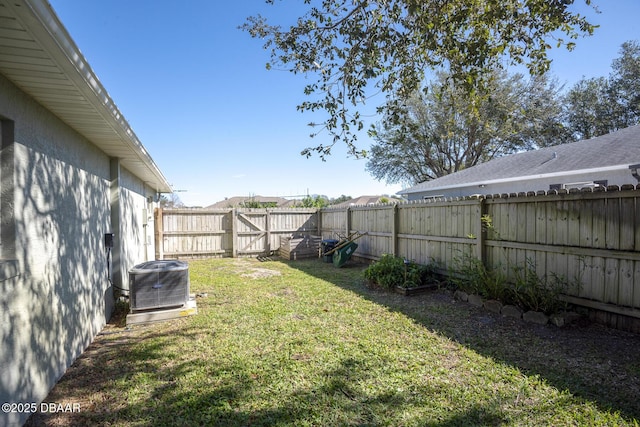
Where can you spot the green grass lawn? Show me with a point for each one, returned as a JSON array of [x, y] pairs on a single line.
[[301, 343]]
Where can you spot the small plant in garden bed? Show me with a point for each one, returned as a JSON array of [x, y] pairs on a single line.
[[537, 293], [528, 291], [470, 275], [392, 271]]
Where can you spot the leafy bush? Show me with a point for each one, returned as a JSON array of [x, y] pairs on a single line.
[[388, 272], [418, 275], [391, 271]]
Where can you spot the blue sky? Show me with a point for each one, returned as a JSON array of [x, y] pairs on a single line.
[[195, 90]]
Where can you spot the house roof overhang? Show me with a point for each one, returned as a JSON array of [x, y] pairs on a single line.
[[483, 183], [39, 56]]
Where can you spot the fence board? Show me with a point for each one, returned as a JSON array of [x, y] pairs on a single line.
[[627, 224], [586, 223], [611, 280], [636, 285], [598, 213], [562, 218], [551, 217], [625, 280], [597, 285], [636, 217], [613, 226], [511, 213], [539, 263], [541, 222], [573, 222]]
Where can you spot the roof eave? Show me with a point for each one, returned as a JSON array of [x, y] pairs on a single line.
[[414, 190], [122, 143]]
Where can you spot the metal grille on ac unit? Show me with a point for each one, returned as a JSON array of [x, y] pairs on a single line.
[[159, 284]]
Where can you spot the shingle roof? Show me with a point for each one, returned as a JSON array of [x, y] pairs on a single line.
[[616, 149], [236, 201], [364, 200]]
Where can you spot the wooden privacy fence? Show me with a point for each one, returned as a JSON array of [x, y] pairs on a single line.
[[585, 237], [200, 233]]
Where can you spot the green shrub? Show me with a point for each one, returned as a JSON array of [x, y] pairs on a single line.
[[388, 272], [391, 271], [418, 275]]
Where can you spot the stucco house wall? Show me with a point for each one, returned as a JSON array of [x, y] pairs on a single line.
[[60, 210], [60, 194], [137, 203]]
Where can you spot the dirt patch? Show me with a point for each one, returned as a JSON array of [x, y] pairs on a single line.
[[246, 268], [260, 273]]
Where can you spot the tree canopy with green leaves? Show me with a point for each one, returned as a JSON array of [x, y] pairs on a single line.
[[313, 202], [600, 105], [447, 129], [356, 48]]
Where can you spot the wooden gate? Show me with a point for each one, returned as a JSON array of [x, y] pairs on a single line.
[[252, 233], [199, 233]]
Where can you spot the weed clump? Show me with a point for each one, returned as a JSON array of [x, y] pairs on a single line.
[[525, 288]]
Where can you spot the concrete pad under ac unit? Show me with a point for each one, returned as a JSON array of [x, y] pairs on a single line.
[[151, 316]]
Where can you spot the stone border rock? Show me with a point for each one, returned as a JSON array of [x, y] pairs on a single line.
[[537, 317]]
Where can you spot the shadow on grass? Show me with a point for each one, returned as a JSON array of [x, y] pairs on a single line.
[[229, 393], [596, 363], [221, 403]]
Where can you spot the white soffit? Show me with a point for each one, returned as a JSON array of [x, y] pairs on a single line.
[[38, 55]]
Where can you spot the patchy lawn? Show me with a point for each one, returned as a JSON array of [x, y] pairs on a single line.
[[301, 343]]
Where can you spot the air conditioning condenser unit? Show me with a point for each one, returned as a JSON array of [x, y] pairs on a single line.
[[159, 284]]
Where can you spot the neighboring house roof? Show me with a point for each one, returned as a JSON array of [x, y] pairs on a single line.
[[363, 201], [39, 56], [237, 201], [616, 150]]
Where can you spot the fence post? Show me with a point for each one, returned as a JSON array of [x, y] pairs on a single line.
[[234, 233], [267, 229], [348, 221], [480, 232], [394, 230], [319, 221], [159, 227]]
